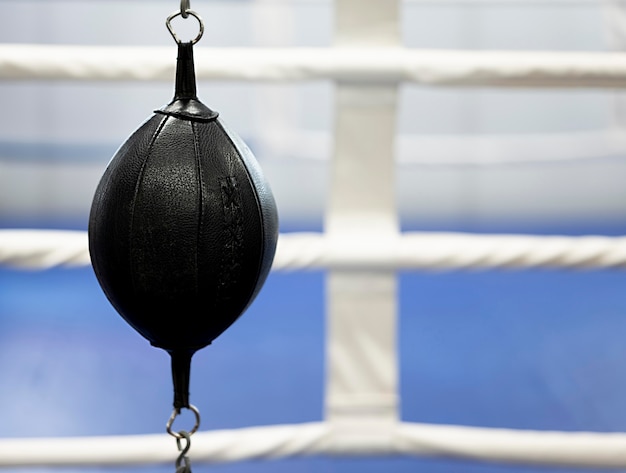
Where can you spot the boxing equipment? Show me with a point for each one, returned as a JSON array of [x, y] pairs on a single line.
[[183, 227]]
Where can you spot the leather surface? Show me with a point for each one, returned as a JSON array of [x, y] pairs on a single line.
[[182, 230]]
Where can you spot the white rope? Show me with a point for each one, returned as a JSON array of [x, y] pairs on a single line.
[[356, 65], [549, 448], [361, 438], [445, 251], [456, 3], [43, 249], [218, 446]]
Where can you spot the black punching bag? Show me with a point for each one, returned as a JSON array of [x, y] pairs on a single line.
[[183, 227]]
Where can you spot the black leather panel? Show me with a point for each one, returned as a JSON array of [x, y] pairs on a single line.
[[110, 218]]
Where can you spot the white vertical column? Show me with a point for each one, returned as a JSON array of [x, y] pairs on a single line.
[[615, 27], [275, 111], [362, 377]]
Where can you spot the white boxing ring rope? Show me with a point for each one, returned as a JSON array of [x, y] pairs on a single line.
[[576, 449], [347, 64], [45, 249]]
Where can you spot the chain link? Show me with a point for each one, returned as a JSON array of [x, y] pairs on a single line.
[[185, 14], [183, 465], [185, 6]]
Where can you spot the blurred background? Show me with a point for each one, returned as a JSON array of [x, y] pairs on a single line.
[[541, 349]]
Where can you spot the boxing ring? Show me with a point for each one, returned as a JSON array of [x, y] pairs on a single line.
[[362, 248]]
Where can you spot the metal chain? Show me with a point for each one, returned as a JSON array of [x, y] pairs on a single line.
[[176, 413], [185, 13], [185, 6], [183, 465]]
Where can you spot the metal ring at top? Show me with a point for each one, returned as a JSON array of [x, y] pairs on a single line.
[[168, 23], [175, 413], [185, 6]]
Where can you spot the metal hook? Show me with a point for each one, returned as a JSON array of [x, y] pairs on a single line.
[[183, 465], [186, 13], [185, 6], [175, 413]]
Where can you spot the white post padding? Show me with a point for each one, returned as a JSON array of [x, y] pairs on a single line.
[[362, 368], [361, 324], [367, 22]]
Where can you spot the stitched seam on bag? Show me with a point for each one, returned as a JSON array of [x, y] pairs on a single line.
[[196, 148], [256, 197], [232, 232]]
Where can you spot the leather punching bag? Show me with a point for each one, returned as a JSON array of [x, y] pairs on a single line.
[[183, 227]]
